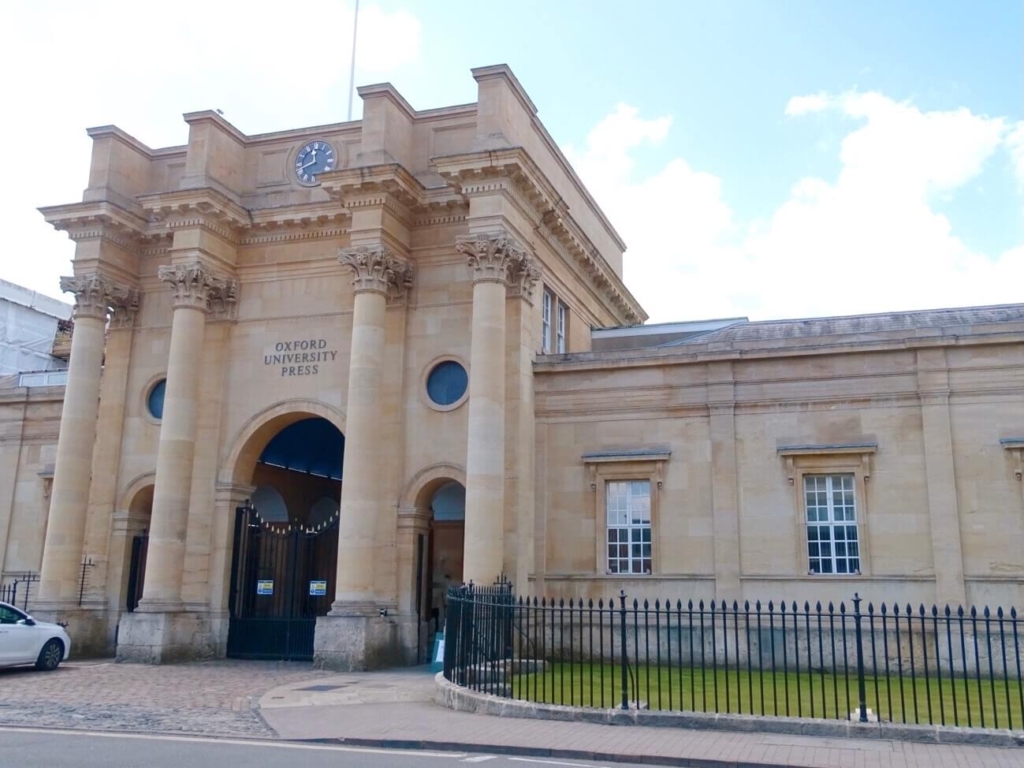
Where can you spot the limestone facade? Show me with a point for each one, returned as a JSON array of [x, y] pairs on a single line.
[[256, 299]]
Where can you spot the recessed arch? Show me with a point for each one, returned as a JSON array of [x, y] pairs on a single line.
[[130, 498], [424, 484], [252, 438]]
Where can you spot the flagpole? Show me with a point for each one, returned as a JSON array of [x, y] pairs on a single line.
[[352, 70]]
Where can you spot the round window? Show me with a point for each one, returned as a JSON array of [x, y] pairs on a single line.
[[447, 383], [155, 402]]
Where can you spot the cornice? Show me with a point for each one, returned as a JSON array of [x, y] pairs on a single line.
[[440, 212], [203, 207], [384, 184], [513, 171], [96, 220], [293, 223], [698, 354]]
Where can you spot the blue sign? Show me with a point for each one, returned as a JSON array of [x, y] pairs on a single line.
[[317, 588], [264, 587]]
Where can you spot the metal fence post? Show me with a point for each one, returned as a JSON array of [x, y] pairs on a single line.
[[861, 685], [622, 639]]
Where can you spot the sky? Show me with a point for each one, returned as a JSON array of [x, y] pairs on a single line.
[[761, 158]]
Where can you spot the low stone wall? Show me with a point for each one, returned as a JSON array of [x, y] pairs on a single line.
[[463, 700]]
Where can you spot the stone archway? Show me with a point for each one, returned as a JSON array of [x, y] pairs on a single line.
[[235, 484], [431, 542], [248, 443], [131, 540]]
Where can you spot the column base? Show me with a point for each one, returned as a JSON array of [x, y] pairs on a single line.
[[357, 643], [167, 637], [89, 628]]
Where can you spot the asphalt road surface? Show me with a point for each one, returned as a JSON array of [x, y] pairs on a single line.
[[37, 748]]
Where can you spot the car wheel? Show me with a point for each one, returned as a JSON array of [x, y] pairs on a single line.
[[51, 655]]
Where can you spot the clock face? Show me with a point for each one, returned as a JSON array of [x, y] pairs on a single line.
[[315, 158]]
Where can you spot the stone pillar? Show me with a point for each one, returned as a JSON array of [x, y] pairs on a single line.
[[95, 295], [940, 472], [351, 637], [496, 261], [724, 479], [159, 630], [193, 286]]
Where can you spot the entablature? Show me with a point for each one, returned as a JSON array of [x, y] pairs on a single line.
[[96, 220], [203, 207], [511, 171], [389, 186]]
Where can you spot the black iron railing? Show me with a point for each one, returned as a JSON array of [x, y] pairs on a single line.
[[16, 591], [899, 664]]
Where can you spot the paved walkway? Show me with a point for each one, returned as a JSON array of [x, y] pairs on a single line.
[[215, 699], [396, 709]]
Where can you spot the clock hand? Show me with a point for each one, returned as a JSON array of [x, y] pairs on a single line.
[[311, 162]]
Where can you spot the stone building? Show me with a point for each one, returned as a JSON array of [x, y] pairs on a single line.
[[319, 374]]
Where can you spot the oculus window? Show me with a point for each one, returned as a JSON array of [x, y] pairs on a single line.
[[155, 401], [447, 383]]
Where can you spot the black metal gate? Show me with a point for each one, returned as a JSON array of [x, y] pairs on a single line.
[[282, 578], [137, 572]]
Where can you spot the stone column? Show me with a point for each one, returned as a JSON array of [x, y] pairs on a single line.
[[347, 638], [194, 288], [376, 271], [95, 295], [496, 261]]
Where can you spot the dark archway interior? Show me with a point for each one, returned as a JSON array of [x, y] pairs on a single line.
[[444, 552], [298, 474]]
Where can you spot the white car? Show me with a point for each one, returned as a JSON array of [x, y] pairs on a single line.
[[23, 640]]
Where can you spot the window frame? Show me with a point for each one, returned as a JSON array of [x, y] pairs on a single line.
[[628, 527], [603, 467], [561, 327], [547, 300], [831, 523], [849, 459]]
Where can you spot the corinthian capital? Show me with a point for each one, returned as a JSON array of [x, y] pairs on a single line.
[[196, 287], [376, 269], [97, 296], [496, 257]]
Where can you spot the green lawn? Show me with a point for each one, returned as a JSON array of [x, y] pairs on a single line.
[[803, 695]]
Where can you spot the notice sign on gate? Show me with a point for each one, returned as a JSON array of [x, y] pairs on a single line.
[[264, 587], [317, 588]]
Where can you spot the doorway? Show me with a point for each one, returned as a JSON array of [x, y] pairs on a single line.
[[440, 554], [285, 544]]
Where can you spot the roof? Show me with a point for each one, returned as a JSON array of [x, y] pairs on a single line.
[[22, 296], [888, 323]]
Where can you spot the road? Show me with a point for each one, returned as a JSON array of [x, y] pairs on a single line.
[[38, 748]]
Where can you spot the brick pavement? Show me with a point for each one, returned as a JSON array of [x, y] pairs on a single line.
[[215, 698]]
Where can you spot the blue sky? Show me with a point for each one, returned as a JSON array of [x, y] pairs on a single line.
[[762, 158]]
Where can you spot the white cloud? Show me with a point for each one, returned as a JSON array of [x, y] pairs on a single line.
[[1015, 145], [139, 65], [804, 105], [869, 240]]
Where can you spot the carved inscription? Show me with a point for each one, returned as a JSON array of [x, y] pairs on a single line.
[[302, 357]]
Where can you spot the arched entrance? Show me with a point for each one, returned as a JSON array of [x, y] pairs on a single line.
[[140, 512], [284, 552], [440, 552]]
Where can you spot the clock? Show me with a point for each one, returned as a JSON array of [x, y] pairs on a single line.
[[315, 158]]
